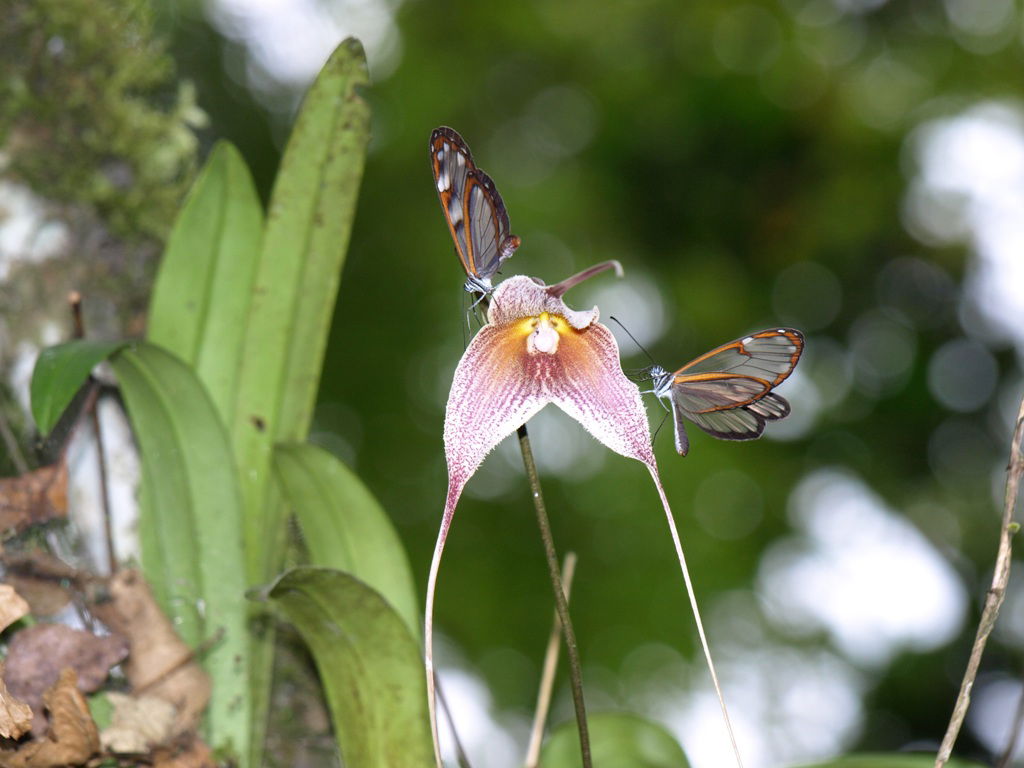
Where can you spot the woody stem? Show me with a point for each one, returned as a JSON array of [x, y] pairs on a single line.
[[561, 605]]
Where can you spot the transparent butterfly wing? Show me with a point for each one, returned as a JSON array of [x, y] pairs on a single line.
[[768, 355], [727, 392], [488, 224], [475, 213]]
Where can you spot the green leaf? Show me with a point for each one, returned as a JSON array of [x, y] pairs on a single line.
[[191, 525], [58, 375], [297, 278], [204, 286], [303, 249], [618, 739], [369, 664], [900, 760], [344, 526]]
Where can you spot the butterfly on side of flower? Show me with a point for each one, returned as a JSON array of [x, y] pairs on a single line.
[[727, 392], [476, 216]]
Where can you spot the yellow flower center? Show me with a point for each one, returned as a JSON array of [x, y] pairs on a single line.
[[543, 330]]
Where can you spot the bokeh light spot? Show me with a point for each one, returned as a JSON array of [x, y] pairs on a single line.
[[962, 375], [860, 572]]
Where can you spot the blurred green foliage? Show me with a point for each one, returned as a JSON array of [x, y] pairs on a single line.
[[750, 160], [91, 111], [711, 147]]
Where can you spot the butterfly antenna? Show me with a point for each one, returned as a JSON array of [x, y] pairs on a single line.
[[641, 346]]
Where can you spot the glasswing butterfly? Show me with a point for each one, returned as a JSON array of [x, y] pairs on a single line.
[[727, 392], [476, 216]]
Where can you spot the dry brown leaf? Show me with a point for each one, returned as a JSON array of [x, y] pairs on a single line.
[[12, 606], [194, 755], [138, 724], [33, 498], [160, 664], [15, 715], [41, 579], [72, 738], [37, 655]]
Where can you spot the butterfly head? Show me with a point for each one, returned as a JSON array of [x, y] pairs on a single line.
[[661, 380]]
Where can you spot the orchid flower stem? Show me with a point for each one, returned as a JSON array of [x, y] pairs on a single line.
[[547, 679], [561, 604]]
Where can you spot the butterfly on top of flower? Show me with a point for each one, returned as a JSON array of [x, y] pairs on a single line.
[[474, 210]]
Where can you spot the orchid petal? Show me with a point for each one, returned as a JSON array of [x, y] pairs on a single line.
[[593, 390], [490, 397]]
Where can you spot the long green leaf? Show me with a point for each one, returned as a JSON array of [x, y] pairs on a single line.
[[369, 664], [303, 249], [203, 289], [344, 526], [616, 739], [191, 526], [59, 373], [901, 760]]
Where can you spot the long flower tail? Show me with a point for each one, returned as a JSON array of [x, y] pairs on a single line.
[[454, 491], [696, 612]]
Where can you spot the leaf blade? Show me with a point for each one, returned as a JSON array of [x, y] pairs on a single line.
[[344, 526], [203, 289], [59, 373], [369, 663], [192, 525], [616, 738], [303, 249], [896, 760]]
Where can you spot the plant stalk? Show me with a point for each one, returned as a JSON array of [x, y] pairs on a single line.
[[561, 604], [996, 593], [547, 679], [75, 302]]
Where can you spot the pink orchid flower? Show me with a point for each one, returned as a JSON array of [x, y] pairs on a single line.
[[535, 350]]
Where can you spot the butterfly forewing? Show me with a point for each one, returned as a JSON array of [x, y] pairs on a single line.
[[476, 216], [768, 355], [488, 224]]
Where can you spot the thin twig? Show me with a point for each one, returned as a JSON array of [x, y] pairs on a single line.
[[572, 651], [547, 679], [996, 593], [75, 301]]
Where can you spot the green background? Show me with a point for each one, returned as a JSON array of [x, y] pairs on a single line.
[[750, 164]]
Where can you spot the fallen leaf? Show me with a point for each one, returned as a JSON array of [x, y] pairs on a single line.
[[37, 655], [42, 580], [15, 715], [33, 498], [160, 663], [12, 606], [138, 724], [72, 738], [194, 755]]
